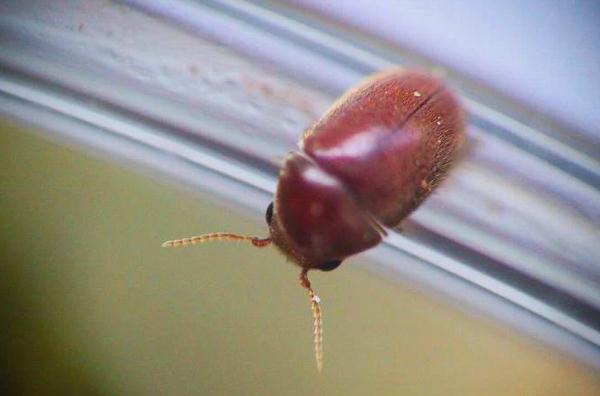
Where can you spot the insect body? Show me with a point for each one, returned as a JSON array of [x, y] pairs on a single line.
[[370, 161]]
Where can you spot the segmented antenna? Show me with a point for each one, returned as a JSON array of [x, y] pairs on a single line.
[[262, 242], [317, 313], [216, 236]]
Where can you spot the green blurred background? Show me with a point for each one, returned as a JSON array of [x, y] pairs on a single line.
[[91, 305]]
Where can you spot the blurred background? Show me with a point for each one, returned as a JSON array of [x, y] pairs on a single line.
[[123, 124]]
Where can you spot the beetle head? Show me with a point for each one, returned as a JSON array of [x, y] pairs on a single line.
[[314, 220]]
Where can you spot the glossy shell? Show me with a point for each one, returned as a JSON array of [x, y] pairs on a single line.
[[373, 158]]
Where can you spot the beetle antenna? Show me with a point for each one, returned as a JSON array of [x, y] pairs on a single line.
[[217, 236], [315, 305]]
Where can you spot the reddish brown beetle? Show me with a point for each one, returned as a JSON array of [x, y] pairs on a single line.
[[379, 151]]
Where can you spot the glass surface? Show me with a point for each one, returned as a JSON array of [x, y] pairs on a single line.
[[212, 94], [92, 305]]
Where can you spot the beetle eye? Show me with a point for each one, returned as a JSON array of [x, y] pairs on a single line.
[[330, 265], [269, 214]]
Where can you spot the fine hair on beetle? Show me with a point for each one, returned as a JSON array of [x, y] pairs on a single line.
[[368, 163]]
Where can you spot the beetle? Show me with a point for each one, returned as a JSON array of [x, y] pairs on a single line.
[[370, 161]]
